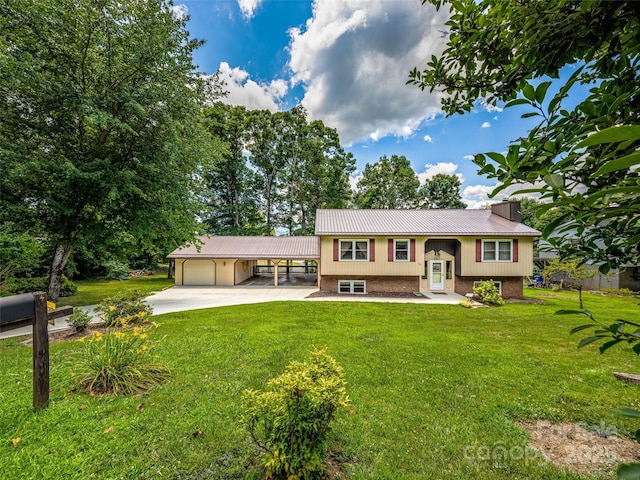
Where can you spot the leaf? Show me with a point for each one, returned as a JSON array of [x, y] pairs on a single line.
[[197, 433], [15, 441], [108, 430], [528, 92], [629, 471], [628, 412], [619, 164], [611, 135], [517, 101], [586, 341], [140, 408], [541, 91], [606, 346], [581, 328], [554, 180]]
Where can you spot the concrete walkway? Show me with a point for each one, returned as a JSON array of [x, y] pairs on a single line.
[[181, 298]]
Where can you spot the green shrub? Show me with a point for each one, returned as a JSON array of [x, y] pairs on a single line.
[[488, 293], [118, 363], [466, 304], [625, 292], [40, 284], [125, 308], [115, 269], [79, 320], [290, 422]]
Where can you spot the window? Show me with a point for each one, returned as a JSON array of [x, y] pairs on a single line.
[[401, 250], [352, 286], [497, 283], [496, 251], [354, 250]]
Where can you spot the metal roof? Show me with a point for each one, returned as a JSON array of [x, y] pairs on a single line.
[[417, 222], [300, 248]]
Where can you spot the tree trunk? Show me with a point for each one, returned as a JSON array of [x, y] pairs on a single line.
[[60, 258], [580, 295], [172, 267]]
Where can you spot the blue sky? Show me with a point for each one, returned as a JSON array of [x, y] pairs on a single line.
[[347, 62]]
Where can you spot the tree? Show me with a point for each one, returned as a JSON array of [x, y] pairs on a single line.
[[389, 183], [571, 272], [99, 135], [583, 159], [231, 197], [441, 191]]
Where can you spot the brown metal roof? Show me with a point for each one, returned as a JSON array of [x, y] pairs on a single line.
[[417, 222], [299, 248]]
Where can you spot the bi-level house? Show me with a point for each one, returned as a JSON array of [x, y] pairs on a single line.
[[379, 251]]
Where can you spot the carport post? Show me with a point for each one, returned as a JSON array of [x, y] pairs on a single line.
[[318, 271], [275, 272]]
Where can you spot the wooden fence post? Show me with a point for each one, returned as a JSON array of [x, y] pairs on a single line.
[[40, 352]]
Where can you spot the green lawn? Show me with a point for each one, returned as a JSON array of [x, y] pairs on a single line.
[[428, 383], [91, 292]]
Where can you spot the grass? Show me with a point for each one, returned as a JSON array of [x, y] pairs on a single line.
[[92, 292], [428, 383]]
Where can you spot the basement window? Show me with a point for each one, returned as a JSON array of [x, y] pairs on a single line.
[[352, 286]]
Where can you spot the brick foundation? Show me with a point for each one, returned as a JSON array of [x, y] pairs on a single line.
[[511, 286], [378, 284]]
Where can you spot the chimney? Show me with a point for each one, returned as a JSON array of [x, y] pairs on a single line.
[[508, 209]]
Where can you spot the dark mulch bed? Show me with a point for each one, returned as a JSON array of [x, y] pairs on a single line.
[[69, 335]]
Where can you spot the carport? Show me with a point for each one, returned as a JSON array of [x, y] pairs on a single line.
[[226, 261]]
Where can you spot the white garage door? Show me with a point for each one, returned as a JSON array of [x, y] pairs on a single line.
[[199, 272]]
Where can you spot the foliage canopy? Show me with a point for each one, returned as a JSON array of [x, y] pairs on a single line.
[[583, 159]]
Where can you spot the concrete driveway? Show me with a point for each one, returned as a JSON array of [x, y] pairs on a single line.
[[180, 298]]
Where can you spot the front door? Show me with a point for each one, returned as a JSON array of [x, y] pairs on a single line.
[[437, 276]]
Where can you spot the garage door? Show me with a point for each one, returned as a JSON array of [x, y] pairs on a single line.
[[199, 272]]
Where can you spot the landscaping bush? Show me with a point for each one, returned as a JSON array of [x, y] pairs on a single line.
[[39, 284], [488, 293], [624, 292], [79, 320], [115, 269], [290, 422], [118, 363], [123, 309]]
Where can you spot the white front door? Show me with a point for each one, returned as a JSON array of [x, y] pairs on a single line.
[[436, 281]]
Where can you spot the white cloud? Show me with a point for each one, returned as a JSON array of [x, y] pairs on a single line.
[[469, 157], [248, 7], [431, 170], [180, 11], [477, 196], [490, 108], [485, 125], [244, 91], [428, 139], [353, 58]]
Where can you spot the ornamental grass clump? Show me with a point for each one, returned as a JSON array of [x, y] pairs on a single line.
[[119, 363], [290, 421], [123, 309]]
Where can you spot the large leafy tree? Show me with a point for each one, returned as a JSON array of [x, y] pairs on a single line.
[[98, 132], [389, 183], [231, 195], [441, 191], [583, 159]]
